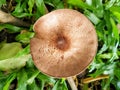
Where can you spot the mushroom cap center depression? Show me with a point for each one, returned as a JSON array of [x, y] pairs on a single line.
[[62, 43]]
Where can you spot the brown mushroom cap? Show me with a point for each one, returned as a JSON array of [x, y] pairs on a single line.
[[64, 44]]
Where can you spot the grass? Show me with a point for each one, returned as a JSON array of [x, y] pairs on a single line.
[[17, 70]]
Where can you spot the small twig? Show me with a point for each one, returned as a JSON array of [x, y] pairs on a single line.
[[8, 18], [10, 4], [90, 79], [72, 83], [65, 3]]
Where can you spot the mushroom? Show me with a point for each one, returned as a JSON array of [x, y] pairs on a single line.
[[64, 44]]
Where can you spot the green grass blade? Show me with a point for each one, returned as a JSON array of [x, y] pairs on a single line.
[[80, 4], [115, 29], [22, 79], [9, 80]]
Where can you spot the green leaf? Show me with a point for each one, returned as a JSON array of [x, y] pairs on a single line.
[[9, 80], [14, 63], [99, 12], [2, 2], [96, 65], [115, 9], [31, 79], [114, 52], [40, 8], [117, 15], [115, 82], [22, 79], [48, 2], [23, 15], [117, 72], [8, 50], [118, 84], [3, 79], [58, 4], [89, 2], [105, 84], [21, 10], [109, 4], [30, 64], [100, 30], [116, 12], [34, 86], [92, 17], [103, 49], [80, 4], [107, 21], [10, 28], [46, 78], [42, 84], [31, 5], [24, 37], [115, 29], [105, 56], [98, 7], [60, 86], [18, 8], [24, 51], [109, 68]]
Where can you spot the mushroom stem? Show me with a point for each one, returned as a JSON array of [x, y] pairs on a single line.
[[71, 83], [8, 18]]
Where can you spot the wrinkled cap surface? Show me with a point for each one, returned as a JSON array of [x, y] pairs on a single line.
[[64, 44]]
